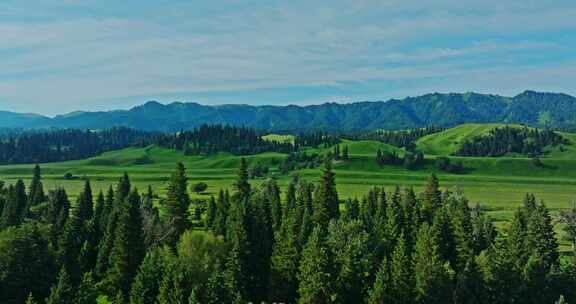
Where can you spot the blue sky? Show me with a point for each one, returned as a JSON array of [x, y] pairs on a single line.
[[58, 56]]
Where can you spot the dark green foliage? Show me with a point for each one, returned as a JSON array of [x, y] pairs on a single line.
[[177, 203], [128, 247], [40, 146], [146, 284], [568, 218], [403, 138], [317, 282], [26, 263], [62, 292], [431, 198], [501, 141], [36, 195], [242, 186], [326, 204], [432, 278], [401, 273], [447, 165], [380, 292], [469, 287], [349, 246], [87, 292], [199, 187], [16, 207]]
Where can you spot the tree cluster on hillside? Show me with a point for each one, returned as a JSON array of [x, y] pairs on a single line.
[[410, 160], [259, 245], [210, 139], [69, 144], [449, 165], [399, 138], [501, 141], [316, 139]]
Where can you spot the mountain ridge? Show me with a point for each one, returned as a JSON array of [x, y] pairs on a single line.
[[539, 109]]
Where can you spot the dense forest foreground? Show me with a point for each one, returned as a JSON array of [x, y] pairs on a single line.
[[254, 243]]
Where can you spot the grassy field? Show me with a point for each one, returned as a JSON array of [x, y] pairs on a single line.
[[499, 184]]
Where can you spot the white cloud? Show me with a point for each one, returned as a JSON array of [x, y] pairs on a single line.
[[79, 62]]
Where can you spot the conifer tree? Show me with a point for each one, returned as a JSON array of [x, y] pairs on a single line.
[[432, 281], [221, 214], [177, 203], [316, 282], [128, 246], [380, 292], [469, 285], [30, 299], [401, 273], [238, 261], [444, 235], [541, 237], [87, 293], [394, 219], [242, 186], [62, 292], [349, 246], [16, 207], [432, 198], [36, 195], [271, 193], [211, 212], [284, 261], [146, 285], [326, 204]]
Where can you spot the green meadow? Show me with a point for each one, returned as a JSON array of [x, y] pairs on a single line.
[[498, 184]]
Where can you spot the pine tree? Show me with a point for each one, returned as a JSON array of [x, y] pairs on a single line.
[[36, 195], [15, 208], [211, 213], [401, 274], [237, 264], [177, 203], [221, 216], [380, 292], [541, 237], [432, 281], [272, 196], [242, 186], [326, 204], [128, 247], [352, 259], [146, 284], [469, 285], [30, 299], [315, 276], [87, 293], [62, 292], [284, 261], [432, 198]]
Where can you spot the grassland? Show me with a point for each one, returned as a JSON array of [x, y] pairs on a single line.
[[499, 184]]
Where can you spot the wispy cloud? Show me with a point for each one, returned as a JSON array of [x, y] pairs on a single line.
[[102, 54]]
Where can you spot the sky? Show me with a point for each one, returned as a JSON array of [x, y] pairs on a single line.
[[58, 56]]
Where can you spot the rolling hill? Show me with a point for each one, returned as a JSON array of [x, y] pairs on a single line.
[[446, 110]]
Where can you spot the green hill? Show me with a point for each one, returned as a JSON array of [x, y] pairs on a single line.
[[450, 140]]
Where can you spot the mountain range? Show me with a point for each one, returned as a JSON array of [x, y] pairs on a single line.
[[531, 108]]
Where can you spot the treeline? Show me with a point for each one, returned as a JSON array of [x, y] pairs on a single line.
[[400, 138], [501, 141], [261, 246], [210, 139], [410, 160], [68, 144]]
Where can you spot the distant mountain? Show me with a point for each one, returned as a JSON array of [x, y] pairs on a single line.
[[531, 108]]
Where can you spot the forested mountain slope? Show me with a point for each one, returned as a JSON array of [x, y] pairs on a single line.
[[446, 110]]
